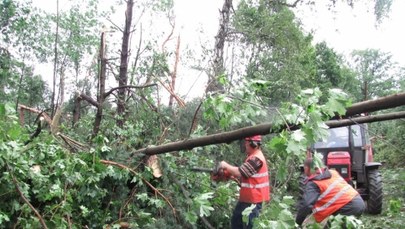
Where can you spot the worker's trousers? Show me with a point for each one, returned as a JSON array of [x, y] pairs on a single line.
[[237, 216]]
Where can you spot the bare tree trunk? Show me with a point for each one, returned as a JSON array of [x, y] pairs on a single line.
[[55, 65], [59, 104], [76, 109], [365, 90], [218, 62], [19, 87], [101, 89], [123, 73], [174, 73]]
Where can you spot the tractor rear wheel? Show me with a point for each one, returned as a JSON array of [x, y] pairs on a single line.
[[375, 192]]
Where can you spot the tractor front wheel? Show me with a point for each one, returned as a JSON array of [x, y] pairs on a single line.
[[301, 183], [301, 188], [375, 192]]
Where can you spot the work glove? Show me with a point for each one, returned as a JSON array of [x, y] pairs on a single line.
[[220, 174]]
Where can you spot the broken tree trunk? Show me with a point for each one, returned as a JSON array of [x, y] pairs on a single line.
[[267, 128], [101, 86]]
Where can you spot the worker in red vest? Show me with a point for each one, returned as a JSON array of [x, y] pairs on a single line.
[[326, 193], [254, 181]]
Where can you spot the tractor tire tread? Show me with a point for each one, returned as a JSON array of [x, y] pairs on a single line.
[[374, 202]]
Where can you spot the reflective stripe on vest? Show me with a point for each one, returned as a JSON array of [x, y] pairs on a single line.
[[330, 188], [331, 201], [256, 189], [247, 185], [261, 174]]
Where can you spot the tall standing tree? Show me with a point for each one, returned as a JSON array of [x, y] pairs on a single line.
[[332, 71], [375, 72], [19, 24], [274, 48], [218, 67], [123, 71]]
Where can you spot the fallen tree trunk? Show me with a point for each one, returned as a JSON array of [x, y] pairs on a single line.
[[262, 129], [382, 103], [365, 119]]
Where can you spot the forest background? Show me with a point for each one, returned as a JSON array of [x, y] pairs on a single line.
[[70, 137]]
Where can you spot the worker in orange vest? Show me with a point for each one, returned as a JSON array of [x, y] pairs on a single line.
[[326, 193], [254, 181]]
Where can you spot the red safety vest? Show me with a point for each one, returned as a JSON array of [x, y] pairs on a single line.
[[256, 189], [335, 193]]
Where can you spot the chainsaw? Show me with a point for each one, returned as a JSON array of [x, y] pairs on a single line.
[[217, 173]]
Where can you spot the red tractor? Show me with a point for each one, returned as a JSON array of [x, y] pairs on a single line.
[[349, 151]]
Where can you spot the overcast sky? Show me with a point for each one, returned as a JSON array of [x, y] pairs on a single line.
[[349, 29], [345, 30]]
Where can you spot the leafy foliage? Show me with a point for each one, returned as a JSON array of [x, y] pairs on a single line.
[[278, 214], [99, 183], [375, 72], [332, 71], [58, 183], [393, 207], [276, 49], [223, 108]]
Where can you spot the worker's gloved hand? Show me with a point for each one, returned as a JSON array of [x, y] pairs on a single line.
[[220, 174]]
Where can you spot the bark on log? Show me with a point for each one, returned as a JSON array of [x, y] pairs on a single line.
[[382, 103], [262, 129], [365, 119], [225, 137]]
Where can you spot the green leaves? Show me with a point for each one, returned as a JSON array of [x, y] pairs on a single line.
[[3, 218], [340, 221], [310, 116], [246, 213], [278, 214], [202, 204], [289, 147], [337, 103], [239, 107], [376, 72]]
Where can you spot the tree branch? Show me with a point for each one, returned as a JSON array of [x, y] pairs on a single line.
[[127, 86], [37, 130], [174, 73], [41, 220], [194, 122], [290, 5], [72, 143], [172, 93], [43, 114], [145, 181], [89, 100]]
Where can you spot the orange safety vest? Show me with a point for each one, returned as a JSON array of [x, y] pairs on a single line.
[[256, 189], [335, 193]]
